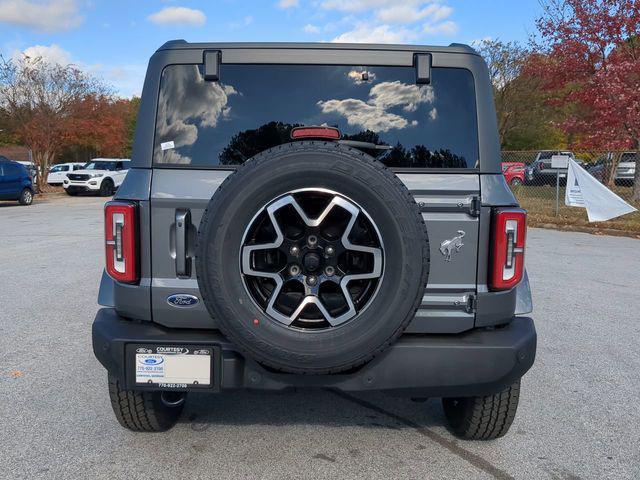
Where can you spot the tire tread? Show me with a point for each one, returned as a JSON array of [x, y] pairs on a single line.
[[483, 417], [141, 411]]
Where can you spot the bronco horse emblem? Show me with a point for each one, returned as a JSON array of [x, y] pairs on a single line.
[[449, 246]]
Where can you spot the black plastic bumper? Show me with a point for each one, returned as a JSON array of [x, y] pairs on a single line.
[[477, 362]]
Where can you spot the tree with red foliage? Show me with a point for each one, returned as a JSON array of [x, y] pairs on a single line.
[[590, 60], [100, 122]]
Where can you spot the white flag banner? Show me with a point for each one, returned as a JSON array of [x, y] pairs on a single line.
[[585, 191]]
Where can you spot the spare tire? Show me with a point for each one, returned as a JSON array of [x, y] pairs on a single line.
[[312, 257]]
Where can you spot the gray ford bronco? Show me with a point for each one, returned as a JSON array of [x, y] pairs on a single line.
[[315, 215]]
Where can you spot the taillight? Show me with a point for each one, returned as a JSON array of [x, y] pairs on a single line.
[[509, 232], [329, 133], [121, 241]]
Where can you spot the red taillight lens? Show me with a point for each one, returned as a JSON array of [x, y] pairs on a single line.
[[509, 232], [121, 241], [329, 133]]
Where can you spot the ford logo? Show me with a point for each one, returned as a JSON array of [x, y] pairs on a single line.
[[182, 300], [151, 361]]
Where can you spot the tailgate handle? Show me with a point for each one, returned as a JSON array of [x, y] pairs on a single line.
[[183, 262]]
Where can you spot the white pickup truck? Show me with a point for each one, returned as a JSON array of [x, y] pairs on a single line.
[[100, 175]]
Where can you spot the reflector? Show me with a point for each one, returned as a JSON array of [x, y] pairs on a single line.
[[330, 133]]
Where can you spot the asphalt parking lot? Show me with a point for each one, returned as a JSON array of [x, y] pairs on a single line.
[[579, 414]]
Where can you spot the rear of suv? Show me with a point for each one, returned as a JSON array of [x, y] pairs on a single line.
[[312, 215]]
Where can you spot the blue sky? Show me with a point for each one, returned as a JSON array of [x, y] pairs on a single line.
[[114, 39]]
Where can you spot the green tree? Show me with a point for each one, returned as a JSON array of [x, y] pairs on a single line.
[[525, 119]]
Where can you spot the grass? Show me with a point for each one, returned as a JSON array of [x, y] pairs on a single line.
[[540, 203]]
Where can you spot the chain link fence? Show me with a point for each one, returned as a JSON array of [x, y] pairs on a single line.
[[540, 188]]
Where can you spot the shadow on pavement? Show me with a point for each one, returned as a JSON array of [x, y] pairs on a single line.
[[308, 407]]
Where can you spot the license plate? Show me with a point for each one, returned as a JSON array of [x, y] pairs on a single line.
[[173, 366]]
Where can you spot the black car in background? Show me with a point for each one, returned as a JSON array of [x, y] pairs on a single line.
[[540, 171]]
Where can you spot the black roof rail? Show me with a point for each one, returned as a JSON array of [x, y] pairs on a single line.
[[464, 46], [173, 43]]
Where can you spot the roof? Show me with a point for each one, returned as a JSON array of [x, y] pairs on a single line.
[[184, 45], [107, 160]]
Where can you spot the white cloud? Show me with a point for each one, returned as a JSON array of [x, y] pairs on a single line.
[[308, 28], [374, 114], [364, 114], [126, 79], [51, 54], [50, 16], [288, 3], [444, 28], [365, 33], [392, 21], [178, 16], [405, 13], [392, 94], [362, 5], [178, 112], [433, 113]]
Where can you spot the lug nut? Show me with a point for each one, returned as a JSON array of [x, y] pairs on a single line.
[[294, 270], [329, 271], [295, 251], [312, 280], [312, 241], [329, 251]]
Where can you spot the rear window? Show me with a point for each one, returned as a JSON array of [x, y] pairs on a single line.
[[111, 166], [12, 169], [254, 107]]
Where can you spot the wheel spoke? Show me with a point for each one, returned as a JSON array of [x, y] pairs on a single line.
[[312, 290]]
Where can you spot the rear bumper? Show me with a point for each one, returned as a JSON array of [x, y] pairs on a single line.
[[477, 362]]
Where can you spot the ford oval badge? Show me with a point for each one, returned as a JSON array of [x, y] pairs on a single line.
[[182, 300]]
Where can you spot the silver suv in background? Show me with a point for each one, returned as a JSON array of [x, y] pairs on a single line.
[[625, 170]]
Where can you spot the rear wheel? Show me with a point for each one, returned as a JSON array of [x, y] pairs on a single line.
[[483, 417], [26, 197], [145, 411], [312, 258], [107, 188]]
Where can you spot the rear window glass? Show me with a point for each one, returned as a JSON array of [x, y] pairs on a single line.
[[254, 107], [111, 166], [12, 169]]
